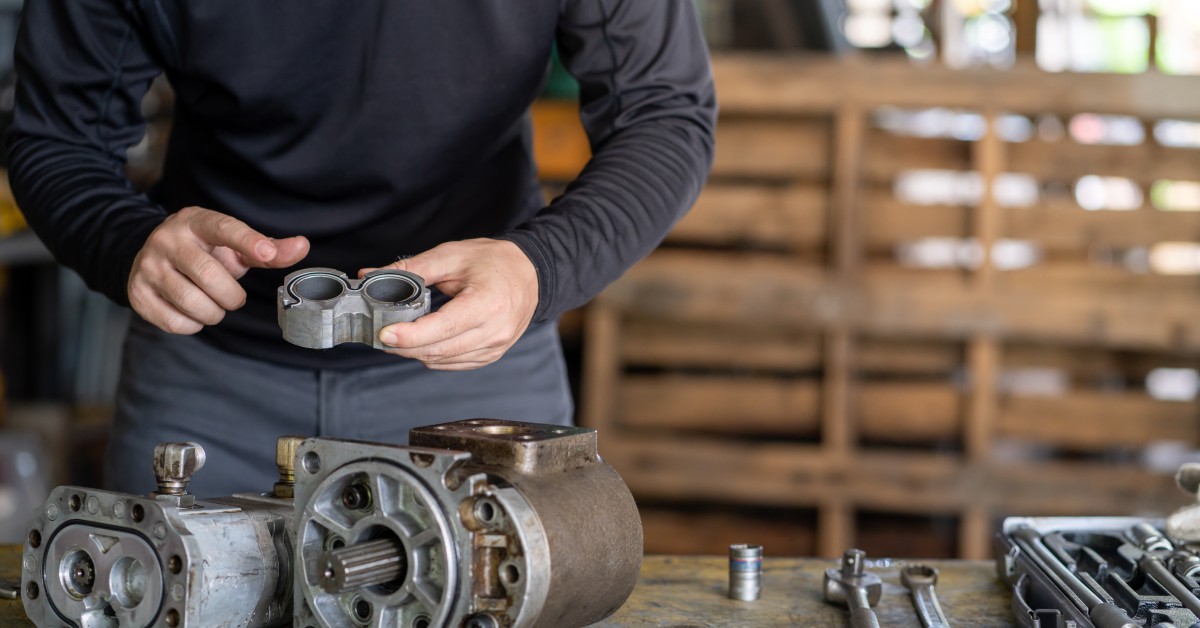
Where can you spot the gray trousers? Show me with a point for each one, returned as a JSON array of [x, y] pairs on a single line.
[[179, 388]]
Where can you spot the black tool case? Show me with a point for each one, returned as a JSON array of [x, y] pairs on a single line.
[[1106, 572]]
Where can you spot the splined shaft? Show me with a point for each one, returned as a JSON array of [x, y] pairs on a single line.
[[362, 565]]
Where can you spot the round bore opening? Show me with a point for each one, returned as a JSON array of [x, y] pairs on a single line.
[[128, 581], [35, 539], [74, 503], [482, 621], [175, 564], [421, 621], [311, 462], [318, 287], [362, 611], [357, 496], [172, 618], [391, 289], [510, 574], [31, 590], [77, 572], [137, 513], [485, 511]]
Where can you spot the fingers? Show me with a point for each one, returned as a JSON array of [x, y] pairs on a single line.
[[216, 229], [185, 276]]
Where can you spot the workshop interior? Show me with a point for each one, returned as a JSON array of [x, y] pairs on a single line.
[[933, 324]]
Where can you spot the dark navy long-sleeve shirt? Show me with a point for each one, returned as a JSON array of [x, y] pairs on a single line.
[[376, 128]]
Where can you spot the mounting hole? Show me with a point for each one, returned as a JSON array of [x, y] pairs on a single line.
[[391, 289], [361, 611], [74, 502], [35, 539], [311, 462], [137, 513], [510, 574], [172, 618], [127, 581], [77, 573], [485, 510], [421, 621], [318, 287], [31, 590], [357, 496], [175, 564]]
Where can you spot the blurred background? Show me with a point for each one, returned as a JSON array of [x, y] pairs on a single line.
[[945, 271]]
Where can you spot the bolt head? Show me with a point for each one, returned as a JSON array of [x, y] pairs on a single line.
[[177, 461]]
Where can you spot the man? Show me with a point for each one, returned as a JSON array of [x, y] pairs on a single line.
[[347, 135]]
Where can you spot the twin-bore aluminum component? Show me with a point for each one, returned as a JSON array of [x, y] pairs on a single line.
[[480, 524], [322, 307]]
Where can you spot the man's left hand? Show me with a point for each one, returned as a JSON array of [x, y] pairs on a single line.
[[493, 290]]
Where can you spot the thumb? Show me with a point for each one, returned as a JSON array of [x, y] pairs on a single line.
[[434, 265]]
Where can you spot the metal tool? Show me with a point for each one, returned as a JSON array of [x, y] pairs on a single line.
[[920, 580], [851, 585], [9, 590], [745, 572], [319, 308], [1100, 610]]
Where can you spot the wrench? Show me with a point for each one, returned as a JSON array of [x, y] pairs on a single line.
[[920, 579], [9, 590], [851, 586]]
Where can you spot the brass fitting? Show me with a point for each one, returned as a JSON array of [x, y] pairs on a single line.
[[285, 459]]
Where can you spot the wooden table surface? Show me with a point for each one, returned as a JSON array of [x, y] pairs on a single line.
[[689, 592]]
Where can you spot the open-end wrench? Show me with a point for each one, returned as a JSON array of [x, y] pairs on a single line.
[[9, 590], [852, 586], [920, 579]]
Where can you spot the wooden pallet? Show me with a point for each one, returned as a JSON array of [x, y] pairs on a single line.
[[775, 355]]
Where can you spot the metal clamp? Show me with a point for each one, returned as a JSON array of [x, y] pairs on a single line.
[[321, 307]]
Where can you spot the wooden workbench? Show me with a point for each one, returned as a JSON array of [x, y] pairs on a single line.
[[690, 592]]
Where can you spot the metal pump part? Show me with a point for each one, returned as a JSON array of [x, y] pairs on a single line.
[[479, 523], [99, 559], [322, 307]]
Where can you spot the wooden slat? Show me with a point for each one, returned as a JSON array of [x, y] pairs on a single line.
[[773, 149], [656, 343], [755, 216], [908, 356], [785, 85], [712, 531], [1089, 420], [677, 467], [1053, 227], [759, 406], [890, 155], [768, 290], [903, 412]]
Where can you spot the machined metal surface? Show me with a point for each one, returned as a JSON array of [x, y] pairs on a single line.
[[920, 580], [478, 523], [858, 589], [745, 572], [319, 308], [105, 559]]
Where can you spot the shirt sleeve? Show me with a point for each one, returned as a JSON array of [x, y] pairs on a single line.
[[649, 108], [82, 70]]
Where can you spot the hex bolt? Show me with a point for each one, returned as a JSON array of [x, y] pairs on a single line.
[[285, 461], [174, 465]]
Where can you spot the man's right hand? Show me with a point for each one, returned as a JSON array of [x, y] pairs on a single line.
[[185, 276]]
